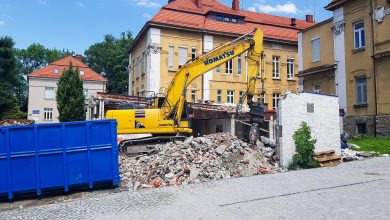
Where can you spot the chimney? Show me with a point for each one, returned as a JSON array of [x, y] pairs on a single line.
[[236, 5], [198, 3], [309, 18], [293, 22], [79, 57]]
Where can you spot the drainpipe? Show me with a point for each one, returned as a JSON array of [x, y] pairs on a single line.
[[374, 64]]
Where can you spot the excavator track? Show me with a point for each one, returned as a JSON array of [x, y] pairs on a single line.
[[146, 145]]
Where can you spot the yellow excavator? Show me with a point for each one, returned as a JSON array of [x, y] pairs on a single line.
[[169, 115]]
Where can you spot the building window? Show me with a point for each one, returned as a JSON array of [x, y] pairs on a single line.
[[85, 91], [193, 53], [170, 57], [276, 67], [315, 47], [275, 101], [239, 64], [361, 128], [219, 18], [193, 95], [361, 91], [263, 65], [230, 96], [219, 96], [139, 66], [145, 63], [183, 53], [290, 68], [49, 92], [48, 113], [226, 19], [229, 67], [359, 38], [218, 69], [317, 88], [241, 96], [234, 20]]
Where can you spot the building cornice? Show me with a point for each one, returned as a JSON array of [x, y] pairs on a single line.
[[317, 25], [317, 69], [335, 5]]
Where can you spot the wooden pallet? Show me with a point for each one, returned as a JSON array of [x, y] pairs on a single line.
[[327, 158]]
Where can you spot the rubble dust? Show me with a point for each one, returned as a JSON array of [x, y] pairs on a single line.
[[212, 157]]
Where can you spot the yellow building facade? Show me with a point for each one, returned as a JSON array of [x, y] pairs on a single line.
[[358, 56], [164, 44]]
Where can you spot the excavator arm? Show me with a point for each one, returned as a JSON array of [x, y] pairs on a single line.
[[176, 93]]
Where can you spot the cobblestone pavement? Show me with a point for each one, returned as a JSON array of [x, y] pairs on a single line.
[[355, 190]]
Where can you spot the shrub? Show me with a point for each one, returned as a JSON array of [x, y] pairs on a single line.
[[304, 148]]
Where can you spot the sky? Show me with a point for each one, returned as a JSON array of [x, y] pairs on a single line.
[[76, 24]]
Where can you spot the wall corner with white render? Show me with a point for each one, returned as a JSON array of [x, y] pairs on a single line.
[[324, 123], [339, 57], [207, 46], [153, 70], [300, 61]]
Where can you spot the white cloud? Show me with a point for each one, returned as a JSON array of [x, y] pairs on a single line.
[[147, 16], [252, 9], [81, 5], [2, 23], [288, 7], [147, 3]]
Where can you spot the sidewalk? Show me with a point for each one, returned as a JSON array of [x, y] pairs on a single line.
[[355, 190]]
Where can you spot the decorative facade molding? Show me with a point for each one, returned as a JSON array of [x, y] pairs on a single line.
[[379, 13], [154, 48], [338, 27]]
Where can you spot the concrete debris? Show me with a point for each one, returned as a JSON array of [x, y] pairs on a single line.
[[212, 157], [350, 155]]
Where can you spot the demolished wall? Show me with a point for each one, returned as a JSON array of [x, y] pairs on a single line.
[[320, 112]]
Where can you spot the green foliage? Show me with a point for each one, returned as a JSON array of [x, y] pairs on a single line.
[[70, 96], [14, 114], [34, 57], [380, 145], [8, 77], [304, 148], [110, 58]]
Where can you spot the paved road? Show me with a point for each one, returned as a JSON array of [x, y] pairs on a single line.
[[355, 190]]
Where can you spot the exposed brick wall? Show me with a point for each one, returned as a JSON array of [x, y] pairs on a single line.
[[350, 123], [383, 125]]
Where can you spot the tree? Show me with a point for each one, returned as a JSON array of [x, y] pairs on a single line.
[[304, 148], [110, 58], [34, 57], [8, 78], [70, 96]]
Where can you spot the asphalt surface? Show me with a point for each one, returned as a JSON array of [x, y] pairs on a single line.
[[354, 190]]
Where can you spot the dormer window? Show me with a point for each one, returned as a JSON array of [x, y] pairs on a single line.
[[234, 20], [56, 71], [226, 19], [219, 18], [82, 73]]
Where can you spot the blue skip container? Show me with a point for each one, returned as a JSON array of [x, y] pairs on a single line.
[[39, 157]]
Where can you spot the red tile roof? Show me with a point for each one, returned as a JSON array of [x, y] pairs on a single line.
[[48, 71], [185, 13]]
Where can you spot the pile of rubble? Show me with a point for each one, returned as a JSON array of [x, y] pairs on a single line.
[[212, 157], [348, 154]]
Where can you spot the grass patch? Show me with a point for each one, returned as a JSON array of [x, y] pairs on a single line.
[[381, 145]]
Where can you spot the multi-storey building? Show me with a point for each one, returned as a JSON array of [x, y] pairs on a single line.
[[349, 56], [42, 87], [184, 29]]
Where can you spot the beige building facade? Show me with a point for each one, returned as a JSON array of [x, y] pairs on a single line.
[[42, 88], [356, 65], [161, 47]]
